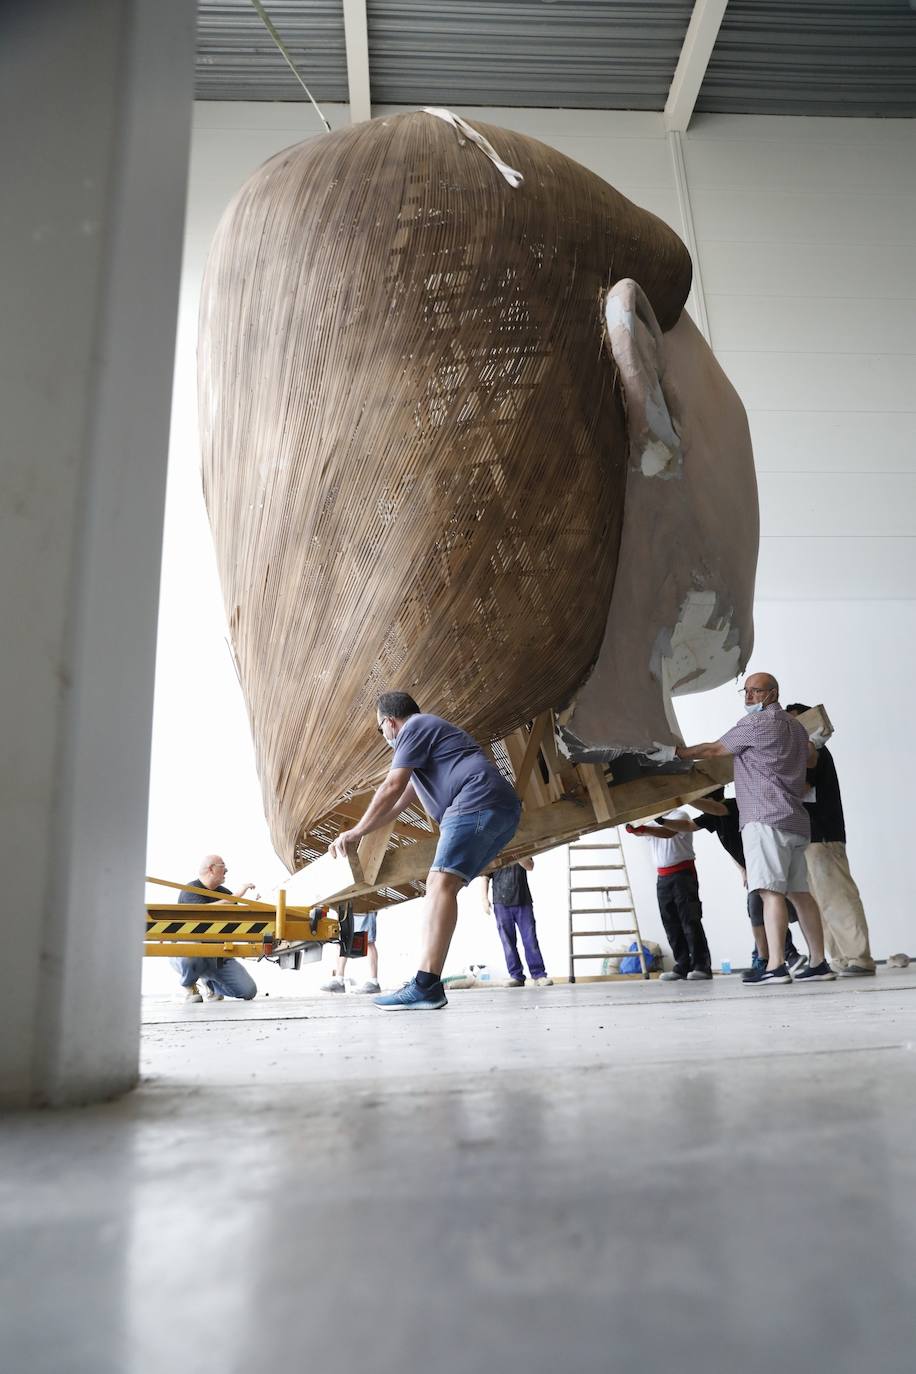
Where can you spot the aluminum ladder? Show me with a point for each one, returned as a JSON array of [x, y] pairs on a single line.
[[601, 860]]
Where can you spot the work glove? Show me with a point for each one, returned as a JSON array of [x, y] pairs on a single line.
[[661, 753]]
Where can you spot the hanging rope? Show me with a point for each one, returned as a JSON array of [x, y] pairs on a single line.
[[268, 24]]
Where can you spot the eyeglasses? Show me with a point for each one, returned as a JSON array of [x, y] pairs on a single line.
[[755, 691]]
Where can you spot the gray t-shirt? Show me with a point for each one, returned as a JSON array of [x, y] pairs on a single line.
[[451, 773]]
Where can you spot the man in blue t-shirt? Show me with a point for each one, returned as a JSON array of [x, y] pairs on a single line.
[[477, 811]]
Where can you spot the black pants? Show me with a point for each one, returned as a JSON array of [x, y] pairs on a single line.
[[682, 916]]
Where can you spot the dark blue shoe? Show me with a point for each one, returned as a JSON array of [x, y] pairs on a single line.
[[821, 973], [413, 998], [757, 962], [761, 976]]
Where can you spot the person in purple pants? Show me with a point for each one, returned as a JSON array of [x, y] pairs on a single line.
[[514, 909]]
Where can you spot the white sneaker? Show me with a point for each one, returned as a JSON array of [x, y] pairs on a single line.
[[192, 994], [209, 994], [334, 985], [672, 976], [544, 982], [370, 985], [699, 974]]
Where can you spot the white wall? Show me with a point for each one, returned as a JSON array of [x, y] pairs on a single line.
[[803, 231], [96, 104]]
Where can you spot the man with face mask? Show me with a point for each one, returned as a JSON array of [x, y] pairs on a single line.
[[477, 811], [772, 754]]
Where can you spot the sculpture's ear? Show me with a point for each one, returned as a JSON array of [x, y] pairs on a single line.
[[680, 618], [637, 345]]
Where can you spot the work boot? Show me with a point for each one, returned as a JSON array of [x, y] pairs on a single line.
[[192, 994], [210, 993]]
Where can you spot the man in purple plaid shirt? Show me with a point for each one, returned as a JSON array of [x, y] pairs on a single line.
[[772, 753]]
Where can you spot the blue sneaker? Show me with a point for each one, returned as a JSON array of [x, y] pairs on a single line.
[[757, 962], [413, 998]]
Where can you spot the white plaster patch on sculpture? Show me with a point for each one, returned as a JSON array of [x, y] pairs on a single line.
[[701, 651], [655, 459], [510, 174], [618, 315]]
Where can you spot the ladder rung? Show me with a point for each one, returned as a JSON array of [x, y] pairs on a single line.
[[603, 888], [595, 868], [611, 844], [606, 954], [578, 933], [600, 910]]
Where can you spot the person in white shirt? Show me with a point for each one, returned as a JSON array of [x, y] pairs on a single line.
[[679, 902]]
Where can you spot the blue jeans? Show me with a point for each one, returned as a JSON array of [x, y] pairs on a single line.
[[227, 977], [471, 840]]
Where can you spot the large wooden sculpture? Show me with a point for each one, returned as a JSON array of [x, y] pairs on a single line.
[[460, 439]]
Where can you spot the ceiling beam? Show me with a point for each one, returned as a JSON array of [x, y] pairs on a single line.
[[356, 33], [699, 41]]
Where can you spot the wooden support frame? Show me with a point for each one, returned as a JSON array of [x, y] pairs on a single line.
[[590, 801]]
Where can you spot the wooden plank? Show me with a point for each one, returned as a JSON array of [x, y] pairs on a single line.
[[371, 851], [553, 761], [312, 884], [593, 776], [532, 746], [535, 794]]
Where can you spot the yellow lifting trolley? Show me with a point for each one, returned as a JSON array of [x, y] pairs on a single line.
[[238, 928]]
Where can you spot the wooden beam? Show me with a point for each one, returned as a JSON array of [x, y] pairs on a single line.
[[535, 793], [598, 791], [532, 746], [312, 884], [699, 41], [371, 851]]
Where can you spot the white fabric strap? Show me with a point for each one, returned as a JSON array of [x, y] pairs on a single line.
[[513, 177]]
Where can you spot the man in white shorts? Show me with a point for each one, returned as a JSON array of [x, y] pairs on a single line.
[[772, 753]]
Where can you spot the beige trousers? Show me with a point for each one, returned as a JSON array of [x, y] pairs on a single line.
[[833, 888]]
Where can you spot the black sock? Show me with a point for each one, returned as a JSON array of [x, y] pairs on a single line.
[[426, 980]]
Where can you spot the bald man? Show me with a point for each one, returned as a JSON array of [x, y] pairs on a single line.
[[772, 754], [219, 977]]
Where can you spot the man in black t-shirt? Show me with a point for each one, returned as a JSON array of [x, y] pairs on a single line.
[[513, 907], [219, 977], [832, 885]]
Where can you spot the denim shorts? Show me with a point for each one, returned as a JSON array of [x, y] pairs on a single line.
[[468, 842], [366, 921]]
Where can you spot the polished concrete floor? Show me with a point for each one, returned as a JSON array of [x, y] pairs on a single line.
[[611, 1177]]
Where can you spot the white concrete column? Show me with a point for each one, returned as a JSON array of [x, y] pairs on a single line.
[[95, 104]]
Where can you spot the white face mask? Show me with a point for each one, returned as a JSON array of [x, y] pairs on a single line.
[[390, 742], [752, 710]]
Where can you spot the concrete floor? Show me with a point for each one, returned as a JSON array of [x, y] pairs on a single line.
[[621, 1177]]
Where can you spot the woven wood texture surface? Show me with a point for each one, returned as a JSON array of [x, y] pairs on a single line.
[[413, 441]]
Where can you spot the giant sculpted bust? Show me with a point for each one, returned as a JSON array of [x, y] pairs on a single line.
[[461, 439]]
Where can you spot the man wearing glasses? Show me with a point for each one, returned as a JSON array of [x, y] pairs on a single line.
[[772, 753], [475, 807], [219, 978]]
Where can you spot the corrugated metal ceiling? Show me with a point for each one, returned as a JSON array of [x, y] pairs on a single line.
[[814, 57], [832, 57], [238, 60]]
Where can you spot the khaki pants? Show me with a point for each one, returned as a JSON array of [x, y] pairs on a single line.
[[834, 889]]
